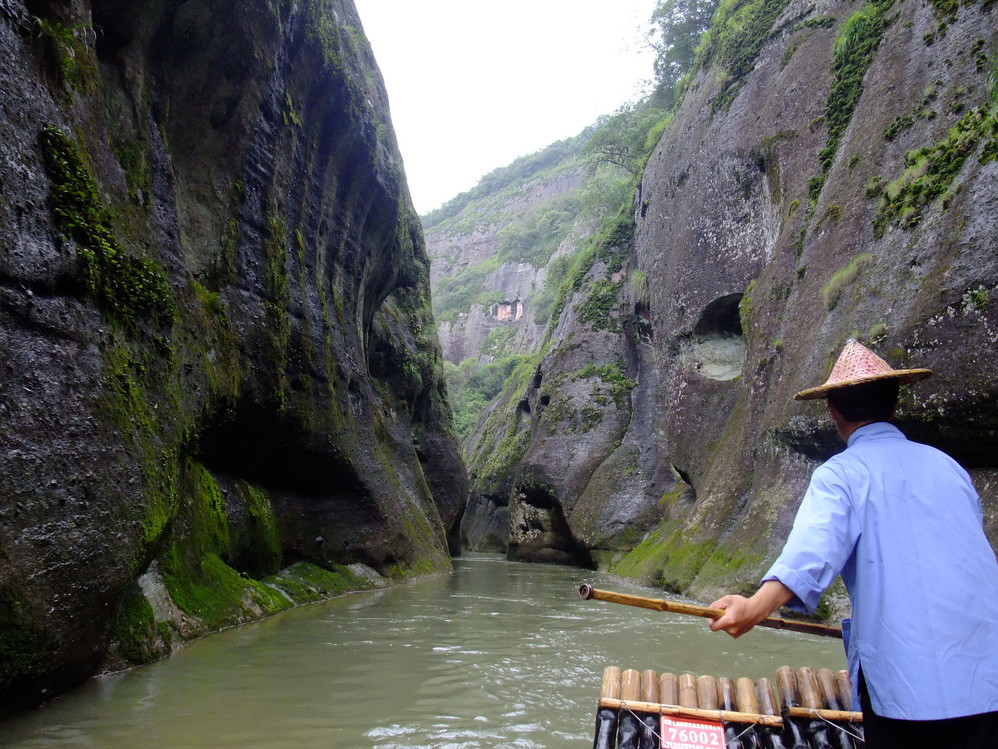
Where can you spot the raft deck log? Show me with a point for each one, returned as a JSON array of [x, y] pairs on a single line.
[[691, 697]]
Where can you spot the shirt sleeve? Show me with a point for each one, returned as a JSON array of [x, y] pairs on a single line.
[[823, 537]]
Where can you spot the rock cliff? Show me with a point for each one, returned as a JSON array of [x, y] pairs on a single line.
[[219, 365], [845, 187], [470, 271], [831, 172]]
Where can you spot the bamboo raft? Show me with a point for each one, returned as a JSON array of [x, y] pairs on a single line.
[[801, 709]]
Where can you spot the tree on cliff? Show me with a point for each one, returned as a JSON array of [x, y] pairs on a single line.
[[678, 26], [625, 138]]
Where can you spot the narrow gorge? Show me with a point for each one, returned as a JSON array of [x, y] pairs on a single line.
[[222, 393], [228, 389]]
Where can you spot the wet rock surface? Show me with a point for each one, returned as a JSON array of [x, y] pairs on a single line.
[[217, 349], [768, 232]]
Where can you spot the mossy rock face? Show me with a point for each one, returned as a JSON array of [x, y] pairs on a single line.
[[872, 220], [825, 177], [209, 265], [307, 583], [124, 287], [135, 637]]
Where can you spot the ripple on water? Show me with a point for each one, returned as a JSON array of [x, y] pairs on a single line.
[[498, 655]]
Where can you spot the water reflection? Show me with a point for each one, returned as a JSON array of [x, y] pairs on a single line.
[[497, 654]]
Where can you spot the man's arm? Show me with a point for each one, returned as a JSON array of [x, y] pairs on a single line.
[[741, 614]]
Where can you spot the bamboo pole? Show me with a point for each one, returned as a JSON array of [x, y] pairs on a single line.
[[766, 696], [668, 689], [707, 692], [830, 693], [772, 738], [810, 698], [607, 719], [807, 682], [726, 695], [692, 712], [746, 702], [630, 685], [845, 689], [630, 725], [649, 686], [610, 688], [688, 691], [829, 689], [846, 716], [726, 690], [745, 697], [588, 592], [786, 687]]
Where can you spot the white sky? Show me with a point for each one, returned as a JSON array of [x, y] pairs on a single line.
[[473, 84]]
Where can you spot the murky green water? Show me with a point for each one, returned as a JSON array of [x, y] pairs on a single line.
[[495, 655]]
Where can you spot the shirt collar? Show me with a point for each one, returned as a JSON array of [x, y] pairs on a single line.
[[876, 430]]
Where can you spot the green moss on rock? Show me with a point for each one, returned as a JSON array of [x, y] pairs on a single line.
[[738, 31], [264, 539], [670, 559], [597, 311], [66, 53], [852, 54], [208, 519], [278, 285], [129, 406], [215, 594], [304, 582], [135, 630], [126, 288], [930, 171], [196, 560], [832, 291]]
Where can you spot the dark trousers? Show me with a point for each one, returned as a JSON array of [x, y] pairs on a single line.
[[969, 732]]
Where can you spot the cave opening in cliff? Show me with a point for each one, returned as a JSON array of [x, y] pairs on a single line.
[[266, 448], [718, 345], [539, 531]]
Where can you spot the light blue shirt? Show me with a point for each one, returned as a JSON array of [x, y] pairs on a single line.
[[902, 523]]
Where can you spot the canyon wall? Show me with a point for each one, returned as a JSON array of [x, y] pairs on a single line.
[[831, 172], [221, 389]]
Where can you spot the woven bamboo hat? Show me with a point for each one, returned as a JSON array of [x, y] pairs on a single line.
[[856, 365]]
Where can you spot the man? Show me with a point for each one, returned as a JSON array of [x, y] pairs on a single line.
[[902, 523]]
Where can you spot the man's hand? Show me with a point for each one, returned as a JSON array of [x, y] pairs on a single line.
[[741, 614]]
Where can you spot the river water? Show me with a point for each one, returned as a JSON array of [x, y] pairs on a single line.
[[495, 655]]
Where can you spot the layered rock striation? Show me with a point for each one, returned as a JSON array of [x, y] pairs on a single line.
[[219, 364]]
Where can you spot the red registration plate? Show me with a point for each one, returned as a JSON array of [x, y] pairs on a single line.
[[687, 733]]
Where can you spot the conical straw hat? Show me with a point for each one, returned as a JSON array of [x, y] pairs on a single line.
[[856, 365]]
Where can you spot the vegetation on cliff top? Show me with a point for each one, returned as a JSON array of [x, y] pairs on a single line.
[[524, 169], [679, 26], [737, 32], [609, 158]]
